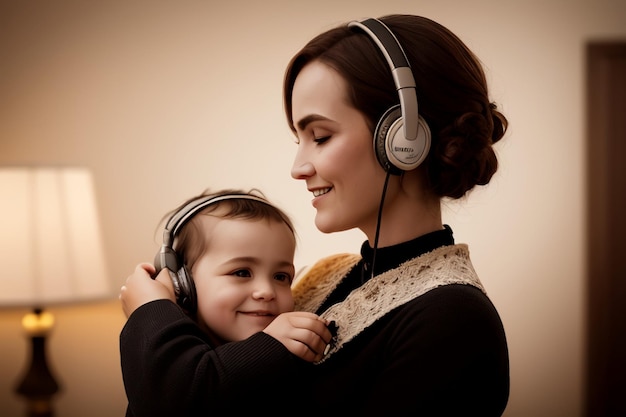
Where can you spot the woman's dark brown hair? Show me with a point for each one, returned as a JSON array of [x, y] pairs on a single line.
[[451, 91]]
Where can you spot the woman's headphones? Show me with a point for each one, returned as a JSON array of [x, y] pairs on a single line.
[[402, 136], [184, 288]]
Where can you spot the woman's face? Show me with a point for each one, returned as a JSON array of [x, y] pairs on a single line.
[[335, 152]]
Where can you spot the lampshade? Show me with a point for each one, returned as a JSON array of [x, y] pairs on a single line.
[[51, 248]]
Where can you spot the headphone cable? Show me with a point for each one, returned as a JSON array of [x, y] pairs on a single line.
[[378, 221]]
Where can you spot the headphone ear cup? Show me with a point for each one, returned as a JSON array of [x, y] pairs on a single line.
[[394, 152], [385, 123], [184, 287], [185, 290]]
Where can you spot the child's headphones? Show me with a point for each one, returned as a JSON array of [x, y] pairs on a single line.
[[402, 136], [184, 288]]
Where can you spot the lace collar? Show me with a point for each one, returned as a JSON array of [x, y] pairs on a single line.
[[368, 303]]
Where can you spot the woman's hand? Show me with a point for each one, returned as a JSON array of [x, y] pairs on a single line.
[[304, 334], [140, 288]]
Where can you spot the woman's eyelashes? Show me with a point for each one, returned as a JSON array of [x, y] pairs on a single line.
[[321, 140]]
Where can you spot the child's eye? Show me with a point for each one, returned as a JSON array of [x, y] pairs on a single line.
[[283, 277], [244, 273]]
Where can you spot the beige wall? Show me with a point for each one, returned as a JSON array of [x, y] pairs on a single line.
[[163, 99]]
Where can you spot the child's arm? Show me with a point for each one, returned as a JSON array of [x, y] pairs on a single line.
[[170, 369]]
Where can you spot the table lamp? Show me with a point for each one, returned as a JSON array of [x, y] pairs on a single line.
[[51, 253]]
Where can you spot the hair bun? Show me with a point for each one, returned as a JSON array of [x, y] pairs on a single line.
[[500, 123], [464, 156]]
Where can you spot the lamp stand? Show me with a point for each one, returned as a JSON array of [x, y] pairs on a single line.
[[38, 384]]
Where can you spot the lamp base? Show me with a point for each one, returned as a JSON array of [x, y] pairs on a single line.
[[41, 407], [38, 384]]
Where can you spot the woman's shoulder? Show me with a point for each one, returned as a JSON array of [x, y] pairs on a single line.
[[455, 305]]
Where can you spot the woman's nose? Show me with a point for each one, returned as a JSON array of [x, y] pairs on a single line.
[[301, 168]]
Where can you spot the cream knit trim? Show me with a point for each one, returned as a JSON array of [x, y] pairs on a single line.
[[378, 296]]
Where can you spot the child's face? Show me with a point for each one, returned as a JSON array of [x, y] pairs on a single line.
[[243, 279]]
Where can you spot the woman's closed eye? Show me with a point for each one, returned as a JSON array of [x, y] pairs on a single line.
[[321, 140]]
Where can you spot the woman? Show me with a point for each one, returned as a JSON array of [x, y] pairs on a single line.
[[417, 333]]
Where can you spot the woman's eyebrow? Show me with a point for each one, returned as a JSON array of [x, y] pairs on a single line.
[[305, 121]]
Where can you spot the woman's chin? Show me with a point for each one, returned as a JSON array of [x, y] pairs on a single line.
[[324, 226], [328, 225]]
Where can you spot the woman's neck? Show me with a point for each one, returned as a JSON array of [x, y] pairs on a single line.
[[410, 210], [402, 221]]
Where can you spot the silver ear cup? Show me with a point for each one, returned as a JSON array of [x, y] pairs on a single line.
[[394, 152]]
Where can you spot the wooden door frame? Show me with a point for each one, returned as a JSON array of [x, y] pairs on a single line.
[[605, 367]]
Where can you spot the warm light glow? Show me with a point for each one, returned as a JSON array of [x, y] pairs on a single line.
[[38, 324], [51, 248]]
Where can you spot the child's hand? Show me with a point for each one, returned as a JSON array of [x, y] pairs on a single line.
[[303, 334], [140, 288]]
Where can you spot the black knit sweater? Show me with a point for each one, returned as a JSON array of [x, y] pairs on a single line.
[[443, 353]]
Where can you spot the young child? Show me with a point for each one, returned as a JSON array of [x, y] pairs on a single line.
[[217, 321]]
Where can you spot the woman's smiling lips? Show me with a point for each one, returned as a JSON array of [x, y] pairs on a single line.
[[319, 192]]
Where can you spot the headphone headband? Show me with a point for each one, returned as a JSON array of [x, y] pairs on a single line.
[[183, 215], [400, 69]]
